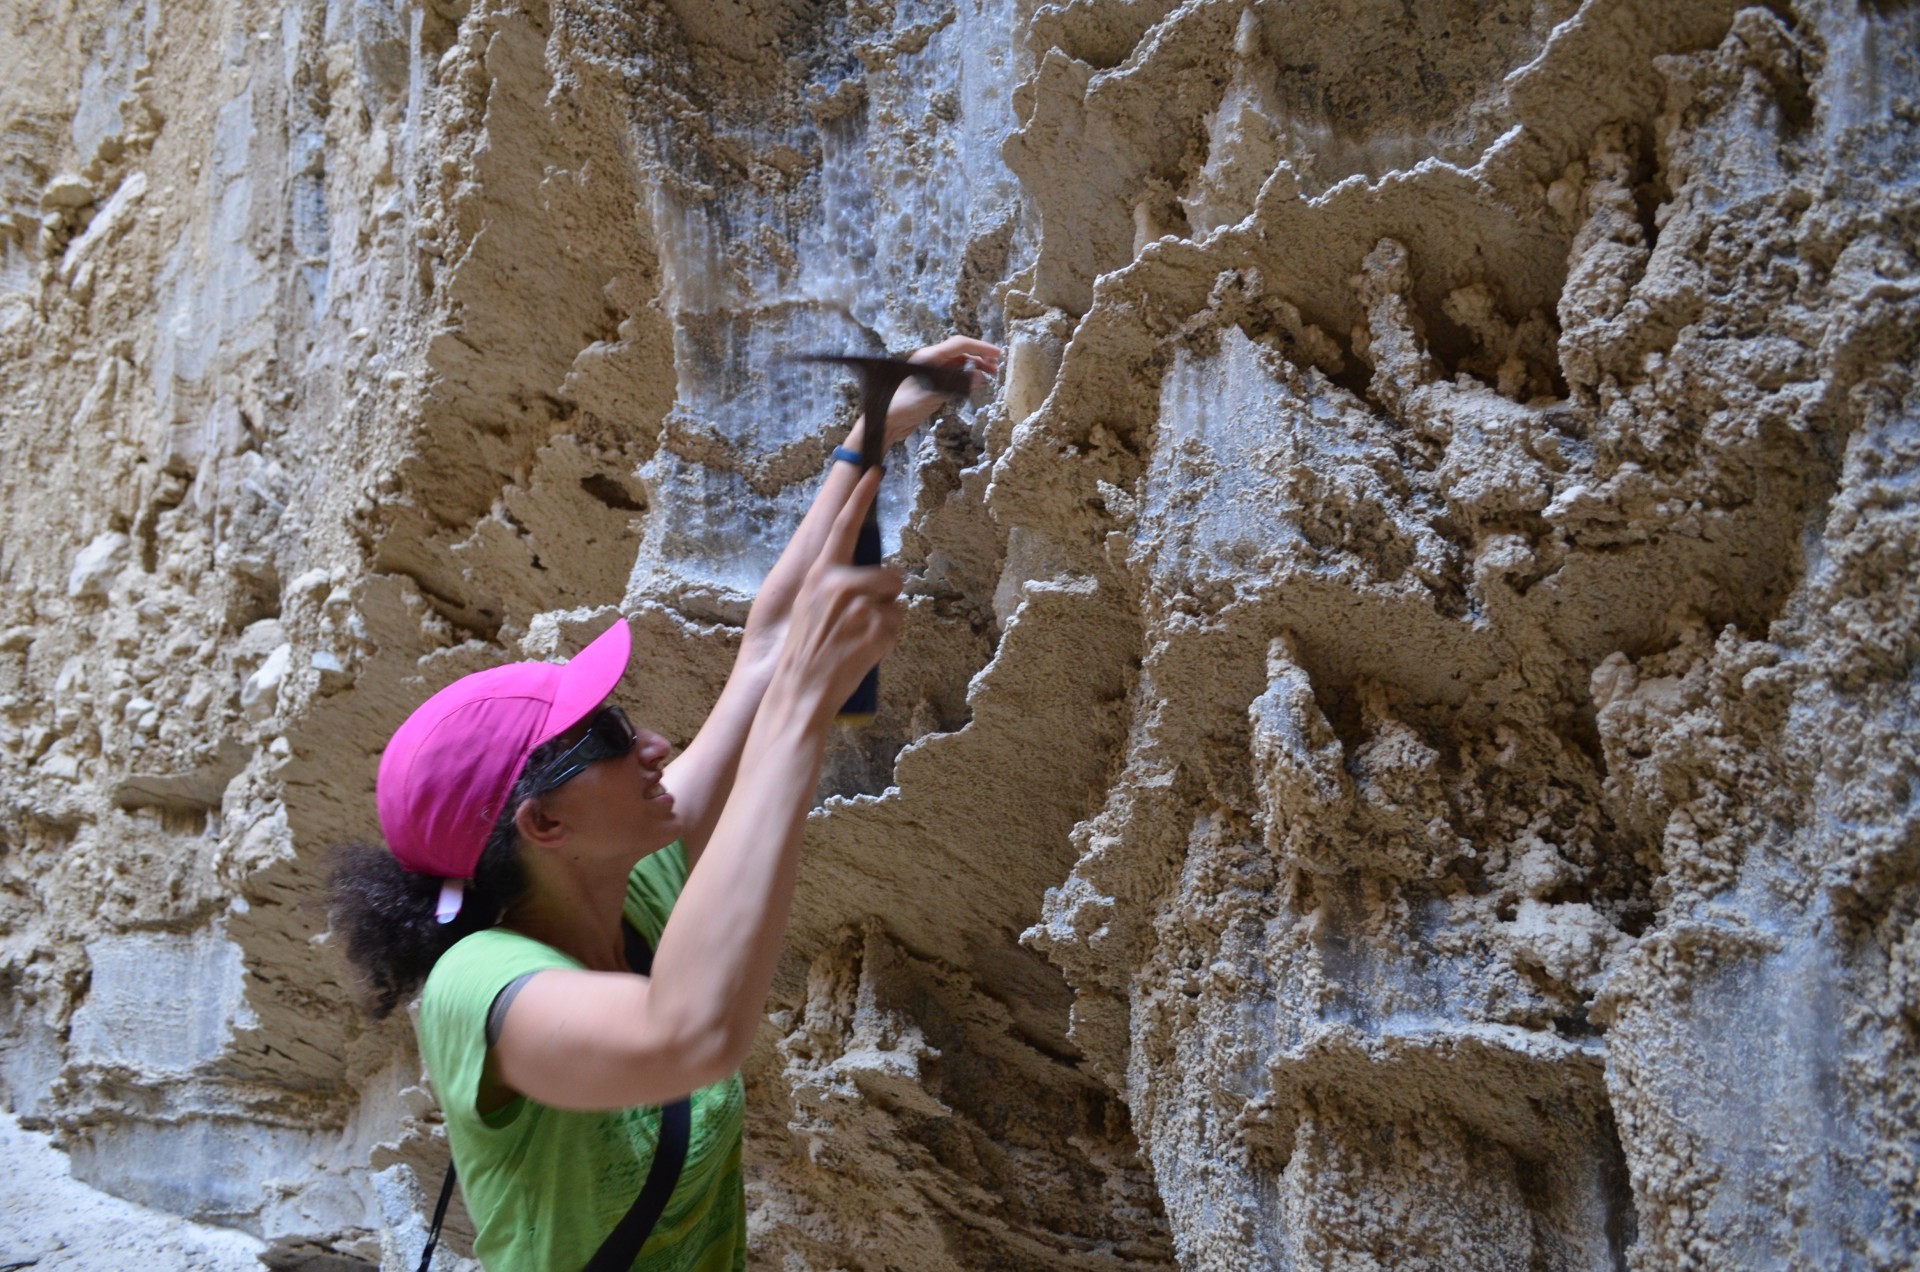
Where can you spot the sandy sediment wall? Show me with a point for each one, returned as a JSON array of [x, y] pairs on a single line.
[[1402, 753]]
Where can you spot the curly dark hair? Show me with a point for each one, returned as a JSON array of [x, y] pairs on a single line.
[[385, 911]]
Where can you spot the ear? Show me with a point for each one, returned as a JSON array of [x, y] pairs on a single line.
[[537, 824]]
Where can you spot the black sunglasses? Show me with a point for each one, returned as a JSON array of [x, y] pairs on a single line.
[[609, 734]]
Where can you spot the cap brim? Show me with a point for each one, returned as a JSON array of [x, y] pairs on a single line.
[[588, 677]]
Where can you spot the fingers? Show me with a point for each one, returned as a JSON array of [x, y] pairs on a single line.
[[978, 372], [976, 355], [847, 619], [867, 618], [913, 403], [885, 617]]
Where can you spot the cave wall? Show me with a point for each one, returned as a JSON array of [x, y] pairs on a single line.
[[1402, 751]]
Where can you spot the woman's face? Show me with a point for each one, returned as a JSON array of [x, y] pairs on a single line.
[[619, 802]]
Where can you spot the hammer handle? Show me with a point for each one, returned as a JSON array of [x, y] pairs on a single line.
[[865, 702]]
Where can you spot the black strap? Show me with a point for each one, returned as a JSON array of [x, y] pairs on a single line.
[[439, 1216], [622, 1246]]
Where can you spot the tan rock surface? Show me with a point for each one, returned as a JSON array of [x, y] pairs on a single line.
[[1402, 754]]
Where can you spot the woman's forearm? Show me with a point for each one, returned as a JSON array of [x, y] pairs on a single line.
[[703, 775], [775, 598], [609, 1040], [717, 956], [701, 778], [722, 944], [604, 1040]]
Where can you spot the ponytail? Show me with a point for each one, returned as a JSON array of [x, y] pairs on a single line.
[[385, 911]]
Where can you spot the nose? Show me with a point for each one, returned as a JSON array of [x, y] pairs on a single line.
[[651, 749]]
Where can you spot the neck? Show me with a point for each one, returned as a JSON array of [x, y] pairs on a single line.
[[576, 909]]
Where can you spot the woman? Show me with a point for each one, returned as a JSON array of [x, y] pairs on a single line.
[[540, 849]]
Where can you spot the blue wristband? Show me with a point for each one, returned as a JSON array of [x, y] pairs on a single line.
[[848, 455]]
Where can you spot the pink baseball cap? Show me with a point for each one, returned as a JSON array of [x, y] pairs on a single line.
[[448, 770]]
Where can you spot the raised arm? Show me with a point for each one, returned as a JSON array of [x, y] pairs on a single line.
[[702, 775], [598, 1040]]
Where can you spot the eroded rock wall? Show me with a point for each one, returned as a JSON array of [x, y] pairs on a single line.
[[1402, 750]]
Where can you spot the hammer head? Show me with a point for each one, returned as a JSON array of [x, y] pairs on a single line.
[[879, 377]]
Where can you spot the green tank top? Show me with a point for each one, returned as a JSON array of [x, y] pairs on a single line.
[[545, 1186]]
